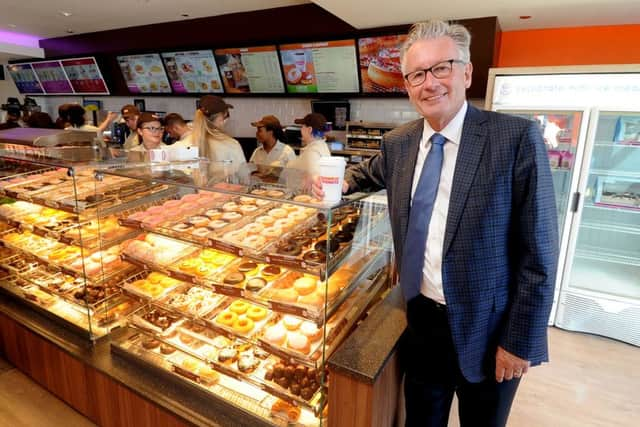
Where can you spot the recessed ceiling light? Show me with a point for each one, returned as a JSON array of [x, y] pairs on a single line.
[[69, 31], [65, 14], [525, 17], [11, 25]]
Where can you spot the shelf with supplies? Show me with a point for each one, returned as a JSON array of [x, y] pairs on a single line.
[[366, 135]]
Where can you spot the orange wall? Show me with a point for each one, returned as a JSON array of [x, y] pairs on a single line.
[[616, 44]]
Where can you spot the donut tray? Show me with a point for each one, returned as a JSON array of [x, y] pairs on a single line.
[[131, 285], [216, 319], [191, 301]]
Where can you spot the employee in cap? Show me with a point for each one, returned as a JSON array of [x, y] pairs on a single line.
[[149, 130], [210, 137], [314, 145], [130, 115], [271, 151]]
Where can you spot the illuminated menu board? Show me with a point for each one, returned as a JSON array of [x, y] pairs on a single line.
[[321, 67], [25, 79], [52, 77], [250, 70], [84, 75], [380, 64], [144, 73], [193, 71]]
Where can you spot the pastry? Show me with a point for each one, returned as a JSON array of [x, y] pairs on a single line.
[[186, 338], [150, 343], [213, 214], [271, 232], [271, 270], [247, 209], [275, 334], [300, 240], [291, 322], [278, 213], [305, 285], [256, 313], [234, 278], [247, 200], [231, 216], [276, 194], [265, 220], [181, 228], [254, 228], [201, 232], [286, 295], [230, 207], [254, 241], [239, 306], [311, 331], [166, 349], [199, 221], [221, 342], [255, 284], [243, 325], [217, 224], [304, 198], [259, 192], [314, 257], [322, 246], [247, 363], [208, 374], [288, 248], [227, 318], [247, 267], [284, 223], [314, 299], [298, 342]]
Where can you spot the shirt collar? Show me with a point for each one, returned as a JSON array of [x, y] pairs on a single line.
[[452, 131]]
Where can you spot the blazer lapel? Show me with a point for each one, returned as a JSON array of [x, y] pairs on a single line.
[[409, 152], [474, 138]]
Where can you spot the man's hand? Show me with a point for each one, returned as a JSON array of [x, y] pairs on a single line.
[[316, 187], [509, 366]]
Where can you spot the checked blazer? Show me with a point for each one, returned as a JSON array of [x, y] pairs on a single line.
[[501, 241]]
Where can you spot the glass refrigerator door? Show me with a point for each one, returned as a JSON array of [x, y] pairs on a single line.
[[607, 250]]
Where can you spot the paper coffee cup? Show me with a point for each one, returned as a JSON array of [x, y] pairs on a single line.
[[331, 177]]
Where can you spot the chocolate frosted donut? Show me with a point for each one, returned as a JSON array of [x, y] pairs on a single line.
[[337, 217], [315, 257], [322, 246], [288, 248], [150, 343], [349, 227], [343, 236], [247, 266], [301, 240], [271, 270], [234, 278]]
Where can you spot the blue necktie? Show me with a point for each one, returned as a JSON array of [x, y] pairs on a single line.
[[419, 218]]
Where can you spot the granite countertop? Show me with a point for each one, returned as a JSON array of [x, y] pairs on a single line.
[[178, 399], [364, 353]]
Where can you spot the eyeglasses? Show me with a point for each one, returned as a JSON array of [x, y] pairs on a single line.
[[154, 129], [440, 71]]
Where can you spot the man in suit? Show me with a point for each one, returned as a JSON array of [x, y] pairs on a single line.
[[475, 233]]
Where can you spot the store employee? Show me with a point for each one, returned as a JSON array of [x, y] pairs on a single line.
[[271, 151], [149, 131], [314, 145]]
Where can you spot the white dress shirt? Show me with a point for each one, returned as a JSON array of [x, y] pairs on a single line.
[[431, 286]]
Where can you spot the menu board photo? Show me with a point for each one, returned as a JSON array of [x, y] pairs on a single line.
[[380, 70], [144, 73], [84, 76], [192, 72], [52, 77], [25, 79], [250, 70], [322, 67]]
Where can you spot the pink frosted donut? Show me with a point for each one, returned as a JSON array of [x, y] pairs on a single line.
[[190, 197], [170, 204]]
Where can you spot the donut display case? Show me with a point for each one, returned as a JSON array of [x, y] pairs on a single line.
[[246, 288]]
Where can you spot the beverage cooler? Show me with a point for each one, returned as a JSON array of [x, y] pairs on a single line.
[[590, 119]]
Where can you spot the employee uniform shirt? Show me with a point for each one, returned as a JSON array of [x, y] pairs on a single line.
[[141, 148], [280, 155], [311, 154], [185, 140], [431, 286], [131, 141]]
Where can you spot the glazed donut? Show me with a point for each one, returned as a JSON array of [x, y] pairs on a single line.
[[286, 295], [276, 194], [265, 220], [254, 241], [271, 232], [181, 227], [234, 278], [243, 325], [255, 284], [201, 232], [231, 216], [217, 224], [213, 214], [239, 306], [278, 213], [247, 209], [227, 318], [244, 200], [259, 192], [254, 228], [314, 299], [284, 223], [289, 207], [260, 203], [256, 313], [303, 198], [305, 285], [235, 236], [298, 216], [199, 221], [230, 207]]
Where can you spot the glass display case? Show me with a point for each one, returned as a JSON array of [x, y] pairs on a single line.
[[247, 287], [57, 254]]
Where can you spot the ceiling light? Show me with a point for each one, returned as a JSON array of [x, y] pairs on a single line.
[[11, 25], [525, 17], [69, 31], [66, 14], [185, 15]]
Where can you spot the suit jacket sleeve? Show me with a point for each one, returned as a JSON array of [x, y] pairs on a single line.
[[369, 175], [535, 244]]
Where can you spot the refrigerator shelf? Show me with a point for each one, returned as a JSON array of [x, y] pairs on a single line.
[[597, 254], [602, 226]]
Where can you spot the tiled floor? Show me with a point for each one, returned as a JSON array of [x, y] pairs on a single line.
[[23, 403]]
